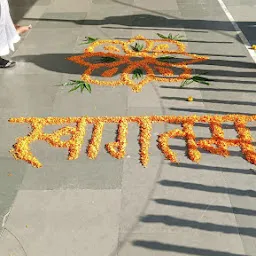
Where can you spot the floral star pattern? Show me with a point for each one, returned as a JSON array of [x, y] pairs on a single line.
[[113, 62]]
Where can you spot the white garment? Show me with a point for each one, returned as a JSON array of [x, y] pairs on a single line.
[[8, 33]]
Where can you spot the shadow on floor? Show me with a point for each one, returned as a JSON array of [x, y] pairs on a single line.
[[225, 102], [200, 206], [179, 222], [58, 63], [213, 168], [52, 62], [19, 8], [207, 188], [157, 21], [208, 111], [154, 245], [153, 21]]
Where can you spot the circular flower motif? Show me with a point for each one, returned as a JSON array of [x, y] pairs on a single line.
[[120, 59]]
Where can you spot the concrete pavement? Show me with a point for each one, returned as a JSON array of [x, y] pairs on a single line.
[[110, 207]]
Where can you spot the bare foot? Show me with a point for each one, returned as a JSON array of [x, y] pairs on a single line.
[[22, 29]]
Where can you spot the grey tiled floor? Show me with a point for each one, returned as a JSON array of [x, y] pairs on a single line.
[[110, 207]]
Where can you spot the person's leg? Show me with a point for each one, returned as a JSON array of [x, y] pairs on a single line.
[[9, 34], [6, 63], [22, 29]]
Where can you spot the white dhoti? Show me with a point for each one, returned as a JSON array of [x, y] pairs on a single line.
[[8, 33]]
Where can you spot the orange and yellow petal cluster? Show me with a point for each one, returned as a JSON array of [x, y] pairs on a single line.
[[148, 59], [144, 139], [94, 145], [217, 144], [117, 148]]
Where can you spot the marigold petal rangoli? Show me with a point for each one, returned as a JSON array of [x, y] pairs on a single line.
[[148, 59], [217, 144]]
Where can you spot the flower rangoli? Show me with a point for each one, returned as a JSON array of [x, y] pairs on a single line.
[[115, 62]]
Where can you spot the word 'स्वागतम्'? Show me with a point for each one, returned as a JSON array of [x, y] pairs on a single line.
[[217, 144]]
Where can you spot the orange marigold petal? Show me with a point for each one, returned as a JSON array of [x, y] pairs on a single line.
[[109, 72], [111, 48], [164, 71], [161, 47]]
